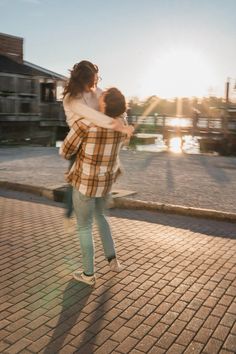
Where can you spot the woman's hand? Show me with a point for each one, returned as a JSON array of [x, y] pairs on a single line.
[[119, 126], [128, 130]]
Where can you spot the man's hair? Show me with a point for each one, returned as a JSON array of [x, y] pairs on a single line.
[[114, 101], [82, 74]]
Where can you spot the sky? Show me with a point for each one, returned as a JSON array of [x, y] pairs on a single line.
[[167, 48]]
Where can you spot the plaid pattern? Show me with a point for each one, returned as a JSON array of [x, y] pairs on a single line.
[[97, 164]]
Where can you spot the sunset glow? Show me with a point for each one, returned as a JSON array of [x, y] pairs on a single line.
[[180, 72]]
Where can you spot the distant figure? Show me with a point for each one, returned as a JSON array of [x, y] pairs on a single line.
[[95, 169]]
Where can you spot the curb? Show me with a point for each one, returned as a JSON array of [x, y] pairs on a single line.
[[58, 195], [53, 194], [126, 203]]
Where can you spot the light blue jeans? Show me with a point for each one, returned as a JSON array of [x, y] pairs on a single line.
[[86, 208]]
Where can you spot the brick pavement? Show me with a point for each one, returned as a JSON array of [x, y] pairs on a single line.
[[176, 294]]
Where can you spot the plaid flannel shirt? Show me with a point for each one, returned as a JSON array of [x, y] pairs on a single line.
[[97, 163]]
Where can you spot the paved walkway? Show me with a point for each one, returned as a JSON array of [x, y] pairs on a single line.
[[176, 294], [197, 181]]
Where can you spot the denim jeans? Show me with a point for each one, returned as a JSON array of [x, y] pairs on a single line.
[[69, 201], [69, 192], [86, 208]]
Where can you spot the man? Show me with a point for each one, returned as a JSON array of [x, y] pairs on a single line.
[[95, 169]]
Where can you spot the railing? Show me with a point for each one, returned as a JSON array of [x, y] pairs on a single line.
[[192, 124], [12, 105], [17, 85]]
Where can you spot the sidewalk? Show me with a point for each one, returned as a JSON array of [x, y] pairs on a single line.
[[176, 294], [187, 184]]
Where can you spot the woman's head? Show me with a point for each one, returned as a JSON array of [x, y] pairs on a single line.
[[83, 77], [112, 102]]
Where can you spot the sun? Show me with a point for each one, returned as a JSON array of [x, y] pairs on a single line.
[[180, 72]]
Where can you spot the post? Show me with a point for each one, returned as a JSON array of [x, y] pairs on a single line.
[[227, 91]]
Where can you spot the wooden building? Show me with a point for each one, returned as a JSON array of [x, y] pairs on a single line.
[[30, 104]]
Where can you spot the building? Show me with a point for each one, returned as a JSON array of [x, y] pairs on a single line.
[[30, 98]]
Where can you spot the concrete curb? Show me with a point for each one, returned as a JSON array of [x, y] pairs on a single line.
[[41, 191], [58, 195], [126, 203]]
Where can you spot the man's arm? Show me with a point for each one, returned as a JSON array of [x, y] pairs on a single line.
[[72, 142]]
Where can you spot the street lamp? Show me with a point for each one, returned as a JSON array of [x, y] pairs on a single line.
[[227, 89]]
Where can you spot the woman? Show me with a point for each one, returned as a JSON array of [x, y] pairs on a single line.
[[81, 99]]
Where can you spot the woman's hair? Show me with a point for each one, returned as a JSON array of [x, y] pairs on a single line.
[[114, 101], [82, 75]]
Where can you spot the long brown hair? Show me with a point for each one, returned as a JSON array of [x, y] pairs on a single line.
[[82, 75]]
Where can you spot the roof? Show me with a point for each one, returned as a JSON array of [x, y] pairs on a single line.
[[8, 65], [44, 71], [10, 35]]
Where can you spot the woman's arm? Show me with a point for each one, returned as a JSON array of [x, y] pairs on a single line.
[[75, 107], [95, 117]]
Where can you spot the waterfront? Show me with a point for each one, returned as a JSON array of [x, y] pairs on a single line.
[[189, 145]]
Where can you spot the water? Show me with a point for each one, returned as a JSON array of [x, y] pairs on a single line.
[[189, 144]]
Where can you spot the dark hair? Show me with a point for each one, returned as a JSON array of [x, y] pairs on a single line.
[[82, 74], [114, 101]]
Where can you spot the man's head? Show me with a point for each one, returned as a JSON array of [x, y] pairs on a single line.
[[112, 102]]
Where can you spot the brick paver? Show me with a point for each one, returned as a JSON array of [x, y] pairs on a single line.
[[175, 295]]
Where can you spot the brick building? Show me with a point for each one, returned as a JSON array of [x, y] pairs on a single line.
[[12, 47], [30, 107]]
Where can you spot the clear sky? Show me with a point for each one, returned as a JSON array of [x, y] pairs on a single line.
[[166, 48]]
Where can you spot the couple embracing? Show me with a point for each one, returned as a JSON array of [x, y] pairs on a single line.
[[98, 129]]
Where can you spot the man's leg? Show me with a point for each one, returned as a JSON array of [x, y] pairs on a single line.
[[84, 210], [104, 228]]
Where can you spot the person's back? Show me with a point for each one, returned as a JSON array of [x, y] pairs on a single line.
[[96, 166]]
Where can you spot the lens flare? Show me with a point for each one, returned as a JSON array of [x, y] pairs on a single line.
[[175, 145]]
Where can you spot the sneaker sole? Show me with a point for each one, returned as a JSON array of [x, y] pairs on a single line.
[[81, 280]]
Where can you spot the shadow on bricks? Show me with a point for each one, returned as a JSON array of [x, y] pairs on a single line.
[[91, 339], [195, 224], [76, 296]]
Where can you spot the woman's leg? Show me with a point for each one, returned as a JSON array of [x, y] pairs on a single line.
[[104, 228], [69, 201], [69, 192], [84, 209]]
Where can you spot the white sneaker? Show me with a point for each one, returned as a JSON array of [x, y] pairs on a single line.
[[115, 265], [87, 279]]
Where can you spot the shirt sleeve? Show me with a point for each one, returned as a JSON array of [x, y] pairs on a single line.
[[71, 117], [73, 140]]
